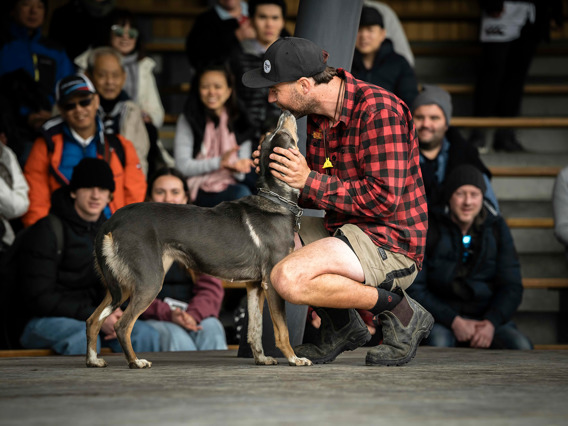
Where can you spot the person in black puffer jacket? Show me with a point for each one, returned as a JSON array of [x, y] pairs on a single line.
[[376, 62], [59, 292], [471, 279]]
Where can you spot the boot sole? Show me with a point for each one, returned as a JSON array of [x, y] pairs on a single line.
[[396, 362], [350, 346]]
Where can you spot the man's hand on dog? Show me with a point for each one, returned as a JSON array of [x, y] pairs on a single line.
[[289, 166], [183, 319]]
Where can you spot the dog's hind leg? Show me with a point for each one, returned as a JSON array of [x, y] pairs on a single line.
[[94, 324], [138, 303], [278, 313], [255, 302]]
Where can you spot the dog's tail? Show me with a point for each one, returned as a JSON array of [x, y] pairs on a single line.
[[112, 270]]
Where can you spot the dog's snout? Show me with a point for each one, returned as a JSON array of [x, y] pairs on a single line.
[[288, 121]]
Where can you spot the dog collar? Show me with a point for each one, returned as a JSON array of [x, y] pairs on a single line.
[[278, 199]]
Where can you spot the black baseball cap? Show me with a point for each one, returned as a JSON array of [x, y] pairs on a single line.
[[287, 59], [73, 85]]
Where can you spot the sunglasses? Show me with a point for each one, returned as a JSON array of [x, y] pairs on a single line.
[[118, 31], [72, 105]]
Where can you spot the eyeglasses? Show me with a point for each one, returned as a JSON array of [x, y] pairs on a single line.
[[72, 105], [118, 31]]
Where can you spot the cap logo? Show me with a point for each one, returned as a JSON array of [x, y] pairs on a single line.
[[267, 66]]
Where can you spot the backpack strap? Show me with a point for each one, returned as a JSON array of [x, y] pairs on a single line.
[[114, 142]]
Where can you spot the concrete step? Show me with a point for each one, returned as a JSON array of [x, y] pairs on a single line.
[[543, 265], [540, 241], [540, 327]]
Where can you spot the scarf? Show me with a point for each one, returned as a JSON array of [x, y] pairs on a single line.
[[216, 141], [131, 68]]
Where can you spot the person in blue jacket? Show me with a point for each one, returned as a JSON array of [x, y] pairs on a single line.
[[471, 279], [30, 66]]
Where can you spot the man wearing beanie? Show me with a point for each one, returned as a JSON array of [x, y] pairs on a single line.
[[58, 292], [67, 139], [471, 280], [362, 168], [442, 148]]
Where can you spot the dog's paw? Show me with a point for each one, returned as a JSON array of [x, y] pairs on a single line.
[[140, 363], [96, 363], [266, 360], [299, 361]]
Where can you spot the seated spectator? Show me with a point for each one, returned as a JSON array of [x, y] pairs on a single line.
[[376, 62], [140, 85], [471, 278], [267, 19], [60, 291], [560, 205], [80, 24], [216, 32], [14, 201], [212, 145], [196, 327], [394, 29], [119, 113], [442, 147], [30, 66], [67, 139]]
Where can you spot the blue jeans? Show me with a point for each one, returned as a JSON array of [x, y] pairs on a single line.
[[68, 336], [176, 338], [211, 199], [506, 337]]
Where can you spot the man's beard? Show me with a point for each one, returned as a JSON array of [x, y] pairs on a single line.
[[304, 107]]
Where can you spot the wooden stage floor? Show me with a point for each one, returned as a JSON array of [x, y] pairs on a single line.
[[439, 387]]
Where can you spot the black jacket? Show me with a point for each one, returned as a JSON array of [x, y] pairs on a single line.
[[390, 71], [68, 288], [490, 289]]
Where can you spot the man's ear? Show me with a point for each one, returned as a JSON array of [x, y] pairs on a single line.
[[73, 195], [305, 85]]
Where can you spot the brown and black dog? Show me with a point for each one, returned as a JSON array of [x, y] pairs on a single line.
[[240, 240]]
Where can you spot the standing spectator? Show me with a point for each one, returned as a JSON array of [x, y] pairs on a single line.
[[30, 66], [560, 205], [216, 32], [376, 62], [14, 201], [442, 147], [267, 18], [471, 280], [119, 113], [212, 145], [66, 140], [80, 24], [60, 291], [509, 33], [197, 326]]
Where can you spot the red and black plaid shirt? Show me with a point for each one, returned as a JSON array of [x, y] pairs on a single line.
[[375, 182]]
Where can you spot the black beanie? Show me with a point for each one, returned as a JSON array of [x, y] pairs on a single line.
[[465, 174], [90, 173]]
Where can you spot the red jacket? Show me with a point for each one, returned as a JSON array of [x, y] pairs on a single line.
[[43, 175]]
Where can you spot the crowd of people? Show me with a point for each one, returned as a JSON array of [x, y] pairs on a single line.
[[79, 139]]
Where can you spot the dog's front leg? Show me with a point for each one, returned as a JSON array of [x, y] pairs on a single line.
[[255, 302], [281, 335]]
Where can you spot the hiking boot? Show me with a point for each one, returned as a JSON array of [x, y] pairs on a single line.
[[341, 330], [399, 341]]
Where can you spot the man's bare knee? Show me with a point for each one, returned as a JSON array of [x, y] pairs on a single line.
[[285, 282]]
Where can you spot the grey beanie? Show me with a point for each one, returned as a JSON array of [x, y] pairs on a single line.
[[431, 94]]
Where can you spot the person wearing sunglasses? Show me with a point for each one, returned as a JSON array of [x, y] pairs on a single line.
[[76, 134], [471, 279]]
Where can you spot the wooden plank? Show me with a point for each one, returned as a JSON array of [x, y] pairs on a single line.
[[525, 171], [230, 284], [551, 347], [529, 89], [530, 222], [513, 122], [547, 283]]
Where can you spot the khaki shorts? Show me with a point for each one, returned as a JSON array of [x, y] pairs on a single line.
[[382, 268]]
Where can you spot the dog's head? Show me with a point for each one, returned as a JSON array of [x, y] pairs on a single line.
[[284, 136]]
